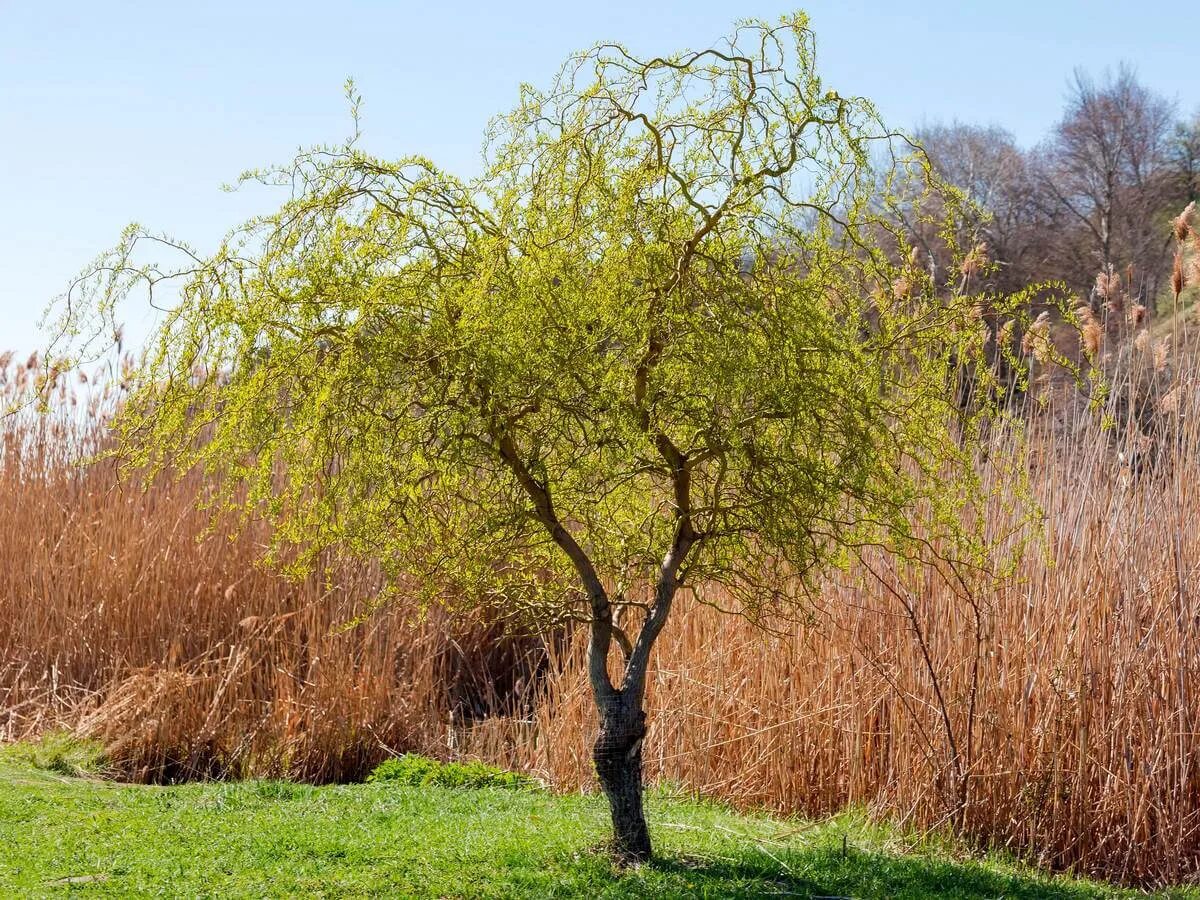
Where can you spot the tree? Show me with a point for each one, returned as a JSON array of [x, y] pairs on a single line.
[[655, 347], [1107, 182], [1185, 158], [994, 175]]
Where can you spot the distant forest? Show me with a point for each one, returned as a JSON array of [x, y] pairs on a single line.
[[1095, 197]]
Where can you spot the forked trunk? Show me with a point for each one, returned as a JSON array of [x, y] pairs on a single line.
[[618, 758]]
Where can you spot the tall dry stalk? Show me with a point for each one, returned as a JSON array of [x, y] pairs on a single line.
[[124, 616]]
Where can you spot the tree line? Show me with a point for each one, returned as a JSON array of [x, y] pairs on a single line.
[[1096, 196]]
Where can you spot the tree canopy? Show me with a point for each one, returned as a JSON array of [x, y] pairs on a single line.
[[668, 337]]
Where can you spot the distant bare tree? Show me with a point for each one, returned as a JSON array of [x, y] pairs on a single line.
[[1105, 180], [995, 175], [1185, 157]]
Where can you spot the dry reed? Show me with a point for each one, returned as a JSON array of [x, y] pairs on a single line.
[[125, 616], [1057, 715]]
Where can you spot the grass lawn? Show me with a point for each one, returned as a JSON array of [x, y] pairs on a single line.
[[62, 833]]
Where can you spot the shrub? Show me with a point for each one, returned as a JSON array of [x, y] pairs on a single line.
[[414, 769]]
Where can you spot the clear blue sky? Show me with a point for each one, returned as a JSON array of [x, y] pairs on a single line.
[[118, 111]]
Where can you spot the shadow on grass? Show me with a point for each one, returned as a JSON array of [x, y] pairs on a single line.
[[827, 873]]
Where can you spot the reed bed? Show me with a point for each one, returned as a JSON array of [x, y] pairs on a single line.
[[1057, 715], [127, 614]]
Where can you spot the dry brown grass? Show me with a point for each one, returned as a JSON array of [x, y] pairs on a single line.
[[123, 617], [1058, 715]]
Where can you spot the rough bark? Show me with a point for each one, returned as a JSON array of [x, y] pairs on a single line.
[[618, 758]]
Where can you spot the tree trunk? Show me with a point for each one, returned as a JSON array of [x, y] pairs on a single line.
[[618, 758]]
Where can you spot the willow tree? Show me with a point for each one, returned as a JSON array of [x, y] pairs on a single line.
[[656, 346]]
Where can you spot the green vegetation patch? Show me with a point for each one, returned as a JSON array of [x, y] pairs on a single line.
[[413, 769], [63, 754], [390, 838]]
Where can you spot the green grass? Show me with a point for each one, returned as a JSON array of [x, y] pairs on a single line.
[[62, 833]]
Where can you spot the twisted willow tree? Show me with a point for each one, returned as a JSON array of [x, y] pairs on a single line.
[[660, 344]]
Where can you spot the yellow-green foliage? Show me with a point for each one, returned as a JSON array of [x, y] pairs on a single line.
[[674, 295]]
